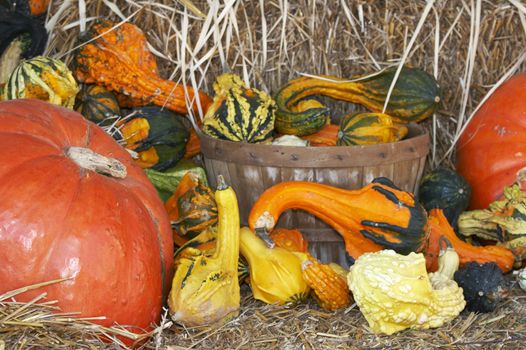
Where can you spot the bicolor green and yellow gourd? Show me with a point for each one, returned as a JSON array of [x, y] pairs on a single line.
[[42, 78], [205, 288], [239, 113]]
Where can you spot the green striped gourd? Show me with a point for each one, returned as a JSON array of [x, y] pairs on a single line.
[[414, 98], [369, 129]]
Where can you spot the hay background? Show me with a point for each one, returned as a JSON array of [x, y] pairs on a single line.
[[313, 37], [343, 38]]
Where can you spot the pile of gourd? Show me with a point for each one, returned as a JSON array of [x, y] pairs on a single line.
[[378, 223], [244, 114]]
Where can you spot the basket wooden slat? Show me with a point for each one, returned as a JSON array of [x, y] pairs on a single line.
[[252, 168]]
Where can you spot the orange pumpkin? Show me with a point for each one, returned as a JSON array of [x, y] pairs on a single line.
[[99, 222], [492, 149]]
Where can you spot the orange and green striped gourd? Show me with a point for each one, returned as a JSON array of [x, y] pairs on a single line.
[[369, 129], [415, 97]]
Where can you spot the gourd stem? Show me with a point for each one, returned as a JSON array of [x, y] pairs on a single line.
[[87, 159], [262, 233], [221, 184]]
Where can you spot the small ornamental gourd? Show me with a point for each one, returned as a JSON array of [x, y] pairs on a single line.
[[443, 188], [438, 228], [326, 136], [21, 36], [328, 285], [415, 97], [166, 182], [157, 135], [205, 288], [504, 222], [375, 216], [290, 239], [275, 273], [193, 146], [290, 140], [42, 78], [117, 57], [98, 105], [394, 292], [239, 113], [369, 129], [326, 281], [31, 7], [192, 207], [483, 284]]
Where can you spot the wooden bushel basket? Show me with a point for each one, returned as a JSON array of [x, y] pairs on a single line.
[[252, 168]]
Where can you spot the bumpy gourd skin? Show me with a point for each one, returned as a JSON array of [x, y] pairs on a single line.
[[504, 221], [205, 289], [119, 59], [328, 285], [394, 292]]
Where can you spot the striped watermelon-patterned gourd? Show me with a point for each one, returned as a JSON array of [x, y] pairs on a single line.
[[239, 113], [369, 129]]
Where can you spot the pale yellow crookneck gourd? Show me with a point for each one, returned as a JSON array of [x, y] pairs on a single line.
[[275, 273], [394, 292], [205, 289]]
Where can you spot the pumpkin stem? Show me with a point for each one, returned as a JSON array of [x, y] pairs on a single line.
[[87, 159]]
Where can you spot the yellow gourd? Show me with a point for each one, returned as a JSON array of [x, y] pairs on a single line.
[[394, 292], [275, 273], [205, 289]]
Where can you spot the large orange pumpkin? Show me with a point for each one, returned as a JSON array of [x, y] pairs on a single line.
[[59, 219], [492, 149]]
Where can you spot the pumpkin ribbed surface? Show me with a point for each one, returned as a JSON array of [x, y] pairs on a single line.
[[58, 220]]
